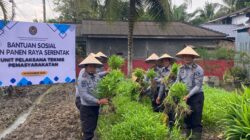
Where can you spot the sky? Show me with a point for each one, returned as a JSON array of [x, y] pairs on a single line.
[[28, 10]]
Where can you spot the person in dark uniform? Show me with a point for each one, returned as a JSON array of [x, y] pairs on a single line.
[[89, 109], [192, 75]]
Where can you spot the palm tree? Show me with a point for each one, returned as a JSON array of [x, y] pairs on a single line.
[[234, 5], [180, 13], [158, 10], [3, 8], [205, 14]]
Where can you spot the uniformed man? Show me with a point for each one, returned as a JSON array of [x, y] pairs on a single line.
[[192, 75], [89, 109], [103, 59], [100, 71], [152, 60], [167, 62]]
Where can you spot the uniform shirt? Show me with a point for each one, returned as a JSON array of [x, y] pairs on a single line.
[[192, 75], [101, 74], [165, 71], [80, 74], [86, 87]]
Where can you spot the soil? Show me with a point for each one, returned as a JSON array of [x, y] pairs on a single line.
[[56, 117], [14, 105]]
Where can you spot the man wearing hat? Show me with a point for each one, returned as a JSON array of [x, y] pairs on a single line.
[[152, 60], [192, 75], [103, 59], [167, 61], [89, 109], [100, 71]]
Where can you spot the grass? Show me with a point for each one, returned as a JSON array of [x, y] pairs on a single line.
[[215, 107]]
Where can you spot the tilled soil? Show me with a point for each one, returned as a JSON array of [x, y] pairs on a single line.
[[21, 100], [55, 118]]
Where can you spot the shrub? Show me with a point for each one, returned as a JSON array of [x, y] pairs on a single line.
[[115, 62]]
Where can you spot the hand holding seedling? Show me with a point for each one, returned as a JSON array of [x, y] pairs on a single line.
[[185, 98], [103, 101]]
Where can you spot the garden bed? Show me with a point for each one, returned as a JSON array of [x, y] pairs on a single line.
[[54, 118], [12, 106]]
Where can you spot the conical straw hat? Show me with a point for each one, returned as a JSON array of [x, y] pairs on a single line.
[[93, 55], [100, 54], [165, 55], [152, 57], [188, 51], [90, 60]]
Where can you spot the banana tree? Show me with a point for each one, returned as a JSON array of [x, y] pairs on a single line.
[[159, 11]]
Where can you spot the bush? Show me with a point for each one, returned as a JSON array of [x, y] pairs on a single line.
[[115, 62]]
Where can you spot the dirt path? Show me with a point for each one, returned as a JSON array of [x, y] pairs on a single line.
[[11, 107], [54, 118]]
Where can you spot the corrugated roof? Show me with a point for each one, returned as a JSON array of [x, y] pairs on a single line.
[[233, 14], [92, 28], [228, 29]]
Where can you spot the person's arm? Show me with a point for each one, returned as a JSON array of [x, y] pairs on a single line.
[[198, 80], [102, 74], [161, 91], [83, 91]]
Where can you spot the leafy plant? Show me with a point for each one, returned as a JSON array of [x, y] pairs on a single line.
[[174, 101], [238, 117], [151, 74], [172, 76], [139, 73], [115, 62]]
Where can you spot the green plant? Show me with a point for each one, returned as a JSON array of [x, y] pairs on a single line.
[[174, 101], [115, 62], [172, 76], [215, 107], [139, 73], [107, 86], [151, 74], [237, 120], [224, 53]]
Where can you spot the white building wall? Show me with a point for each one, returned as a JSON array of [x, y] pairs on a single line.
[[239, 19]]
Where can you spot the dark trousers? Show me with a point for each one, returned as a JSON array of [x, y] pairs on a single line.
[[157, 107], [89, 116], [193, 120]]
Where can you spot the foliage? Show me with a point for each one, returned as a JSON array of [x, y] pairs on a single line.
[[107, 86], [237, 120], [215, 107], [172, 76], [224, 53], [236, 74], [115, 62], [206, 13], [139, 73], [180, 13], [174, 100], [151, 74], [134, 121]]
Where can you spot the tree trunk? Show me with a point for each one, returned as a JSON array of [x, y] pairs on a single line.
[[131, 22]]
